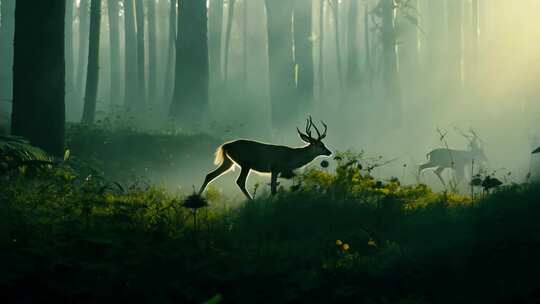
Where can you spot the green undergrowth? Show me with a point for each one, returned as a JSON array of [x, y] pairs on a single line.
[[69, 234], [124, 153]]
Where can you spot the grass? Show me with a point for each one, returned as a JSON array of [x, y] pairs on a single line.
[[69, 236]]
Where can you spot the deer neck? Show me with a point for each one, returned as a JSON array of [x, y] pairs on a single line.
[[302, 156]]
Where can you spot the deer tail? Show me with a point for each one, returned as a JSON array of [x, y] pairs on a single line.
[[220, 156]]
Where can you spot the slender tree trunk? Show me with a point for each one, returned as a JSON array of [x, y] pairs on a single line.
[[321, 49], [335, 11], [455, 38], [352, 47], [281, 61], [114, 36], [172, 51], [84, 30], [392, 89], [70, 57], [303, 51], [141, 52], [230, 18], [245, 26], [152, 50], [39, 77], [190, 98], [6, 50], [367, 43], [214, 41], [130, 49], [92, 79]]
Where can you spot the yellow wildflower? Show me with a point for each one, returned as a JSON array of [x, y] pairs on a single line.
[[345, 247], [339, 242]]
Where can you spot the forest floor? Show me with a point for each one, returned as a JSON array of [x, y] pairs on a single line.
[[90, 231]]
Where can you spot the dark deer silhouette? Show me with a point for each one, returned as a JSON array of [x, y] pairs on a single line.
[[443, 158], [266, 158]]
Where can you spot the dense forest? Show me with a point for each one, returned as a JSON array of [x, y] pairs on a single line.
[[401, 166]]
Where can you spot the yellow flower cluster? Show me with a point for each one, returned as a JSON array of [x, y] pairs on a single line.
[[343, 246]]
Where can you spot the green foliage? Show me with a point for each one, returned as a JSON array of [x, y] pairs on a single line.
[[69, 234]]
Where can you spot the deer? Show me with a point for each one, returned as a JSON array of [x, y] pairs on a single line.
[[260, 157], [445, 158]]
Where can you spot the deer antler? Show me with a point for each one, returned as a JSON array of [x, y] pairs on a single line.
[[309, 124]]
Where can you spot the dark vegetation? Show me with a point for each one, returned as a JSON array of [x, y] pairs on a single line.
[[70, 233]]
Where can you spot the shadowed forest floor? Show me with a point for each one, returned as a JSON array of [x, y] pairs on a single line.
[[88, 231]]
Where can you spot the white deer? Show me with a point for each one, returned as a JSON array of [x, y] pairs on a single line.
[[444, 158], [266, 158]]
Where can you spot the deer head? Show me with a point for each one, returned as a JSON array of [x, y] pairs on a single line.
[[474, 143], [315, 144]]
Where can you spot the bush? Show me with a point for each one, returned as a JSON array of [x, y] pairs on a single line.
[[67, 233]]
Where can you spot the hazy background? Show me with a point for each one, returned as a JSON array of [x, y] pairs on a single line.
[[458, 63]]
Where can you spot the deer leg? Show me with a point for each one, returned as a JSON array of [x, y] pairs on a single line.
[[423, 167], [273, 182], [438, 172], [241, 182], [460, 173], [223, 168]]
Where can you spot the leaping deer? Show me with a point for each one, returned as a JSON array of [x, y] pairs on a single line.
[[266, 158], [443, 158]]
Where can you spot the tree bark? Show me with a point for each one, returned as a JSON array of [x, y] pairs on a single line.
[[6, 50], [84, 31], [92, 78], [303, 51], [455, 38], [335, 11], [392, 89], [190, 98], [214, 41], [70, 57], [130, 49], [281, 61], [169, 82], [321, 49], [230, 18], [353, 75], [367, 43], [245, 26], [114, 36], [39, 76], [152, 51], [141, 52]]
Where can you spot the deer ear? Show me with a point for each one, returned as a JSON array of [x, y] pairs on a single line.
[[305, 138]]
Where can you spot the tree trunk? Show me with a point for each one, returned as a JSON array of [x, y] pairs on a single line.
[[245, 26], [352, 47], [114, 36], [190, 98], [152, 50], [230, 17], [214, 40], [455, 11], [6, 50], [321, 49], [84, 30], [39, 76], [70, 57], [169, 83], [392, 90], [281, 61], [141, 52], [130, 49], [335, 11], [92, 78], [303, 51], [367, 42]]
